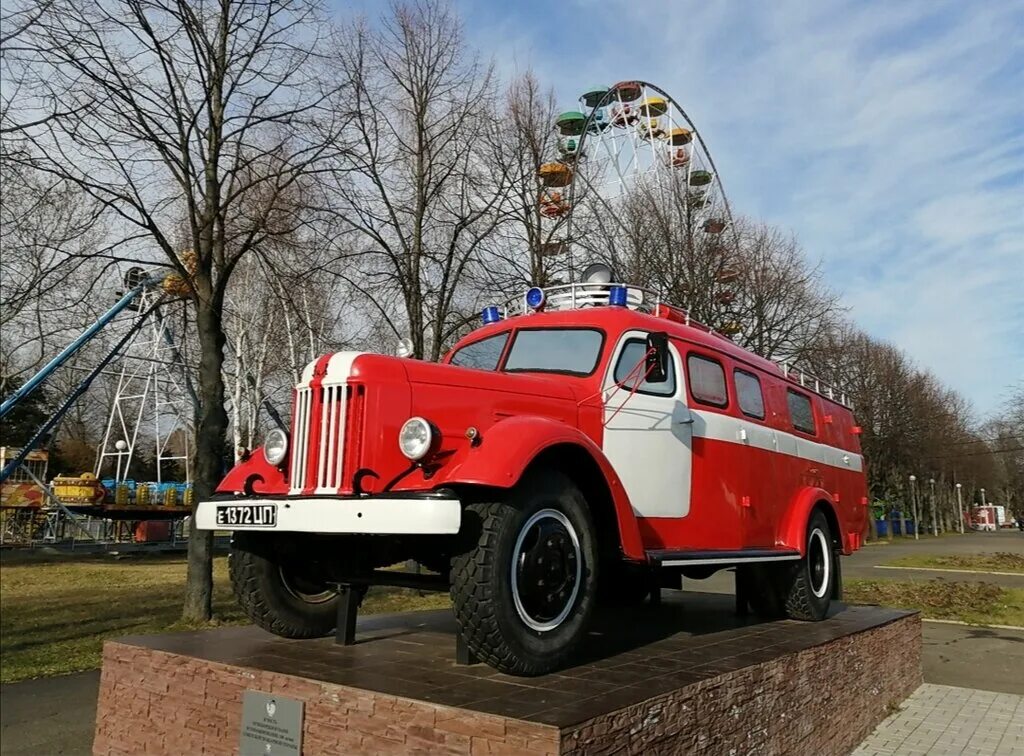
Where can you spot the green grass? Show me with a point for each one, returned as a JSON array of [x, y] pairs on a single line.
[[997, 562], [972, 602], [55, 615]]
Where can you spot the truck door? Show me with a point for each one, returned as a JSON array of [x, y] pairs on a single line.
[[648, 432]]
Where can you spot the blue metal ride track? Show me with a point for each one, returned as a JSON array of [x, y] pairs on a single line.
[[36, 380]]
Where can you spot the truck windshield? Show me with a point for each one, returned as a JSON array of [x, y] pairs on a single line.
[[483, 354], [574, 351]]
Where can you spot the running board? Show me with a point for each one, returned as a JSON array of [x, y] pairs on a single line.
[[693, 557]]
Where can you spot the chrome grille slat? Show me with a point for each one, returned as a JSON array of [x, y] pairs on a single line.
[[307, 410], [331, 424], [329, 453], [300, 440], [325, 409], [337, 458]]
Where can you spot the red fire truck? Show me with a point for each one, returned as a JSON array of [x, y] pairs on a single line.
[[592, 441]]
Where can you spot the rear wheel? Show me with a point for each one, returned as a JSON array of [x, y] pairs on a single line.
[[279, 597], [524, 589], [810, 583]]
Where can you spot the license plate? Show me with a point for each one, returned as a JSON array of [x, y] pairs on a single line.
[[247, 515]]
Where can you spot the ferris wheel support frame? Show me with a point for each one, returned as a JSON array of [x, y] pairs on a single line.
[[148, 386]]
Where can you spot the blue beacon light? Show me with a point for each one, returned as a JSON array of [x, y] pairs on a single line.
[[617, 296], [535, 298], [491, 314]]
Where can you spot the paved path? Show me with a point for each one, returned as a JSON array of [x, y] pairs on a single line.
[[942, 720], [49, 717], [971, 542], [973, 657], [862, 563]]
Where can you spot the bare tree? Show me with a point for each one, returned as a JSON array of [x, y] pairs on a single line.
[[168, 111], [424, 193], [783, 308], [526, 249]]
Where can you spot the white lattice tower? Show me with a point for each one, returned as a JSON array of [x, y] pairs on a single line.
[[152, 401]]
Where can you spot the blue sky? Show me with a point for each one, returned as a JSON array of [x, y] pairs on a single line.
[[888, 136]]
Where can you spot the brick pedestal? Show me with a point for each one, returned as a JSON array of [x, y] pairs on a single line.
[[683, 677]]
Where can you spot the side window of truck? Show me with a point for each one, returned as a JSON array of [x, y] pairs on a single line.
[[629, 371], [748, 394], [707, 380], [800, 411]]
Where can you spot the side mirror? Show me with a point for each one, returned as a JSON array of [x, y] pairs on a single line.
[[657, 357]]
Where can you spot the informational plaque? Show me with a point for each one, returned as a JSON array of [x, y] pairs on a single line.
[[271, 725]]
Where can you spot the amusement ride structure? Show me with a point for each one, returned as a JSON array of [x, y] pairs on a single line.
[[152, 408]]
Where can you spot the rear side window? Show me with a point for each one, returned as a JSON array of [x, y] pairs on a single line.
[[707, 380], [483, 354], [630, 370], [748, 394], [800, 411]]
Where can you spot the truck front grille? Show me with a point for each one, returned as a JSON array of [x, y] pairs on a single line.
[[319, 431]]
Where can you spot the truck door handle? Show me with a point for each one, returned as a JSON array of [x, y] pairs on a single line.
[[686, 420]]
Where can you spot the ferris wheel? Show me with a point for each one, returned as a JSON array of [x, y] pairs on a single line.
[[634, 184]]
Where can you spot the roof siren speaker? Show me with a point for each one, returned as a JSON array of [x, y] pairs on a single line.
[[598, 273]]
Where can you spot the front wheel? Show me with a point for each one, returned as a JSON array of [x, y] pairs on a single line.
[[524, 589], [277, 597]]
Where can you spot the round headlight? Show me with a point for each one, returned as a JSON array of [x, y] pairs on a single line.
[[416, 438], [276, 446]]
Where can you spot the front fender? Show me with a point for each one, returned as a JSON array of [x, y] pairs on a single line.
[[509, 447], [793, 528], [254, 475]]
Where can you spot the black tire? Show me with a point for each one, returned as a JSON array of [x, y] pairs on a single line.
[[810, 583], [512, 630], [276, 599]]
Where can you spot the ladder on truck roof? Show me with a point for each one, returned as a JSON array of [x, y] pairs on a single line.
[[815, 384]]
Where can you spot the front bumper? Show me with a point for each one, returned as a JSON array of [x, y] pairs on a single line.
[[427, 514]]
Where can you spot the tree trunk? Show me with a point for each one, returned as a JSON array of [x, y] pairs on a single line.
[[211, 431]]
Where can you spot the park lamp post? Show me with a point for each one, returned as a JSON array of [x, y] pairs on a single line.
[[913, 504], [935, 519], [960, 505], [121, 446]]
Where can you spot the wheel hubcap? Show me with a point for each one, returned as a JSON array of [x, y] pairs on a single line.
[[818, 562], [546, 569], [304, 589]]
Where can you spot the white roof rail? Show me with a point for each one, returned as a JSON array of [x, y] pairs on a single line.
[[815, 384]]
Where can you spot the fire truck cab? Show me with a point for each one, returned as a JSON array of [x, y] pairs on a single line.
[[593, 446]]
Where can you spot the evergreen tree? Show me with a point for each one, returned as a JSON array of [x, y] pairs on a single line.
[[24, 420]]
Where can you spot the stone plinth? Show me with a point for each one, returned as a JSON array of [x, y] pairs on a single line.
[[683, 677]]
